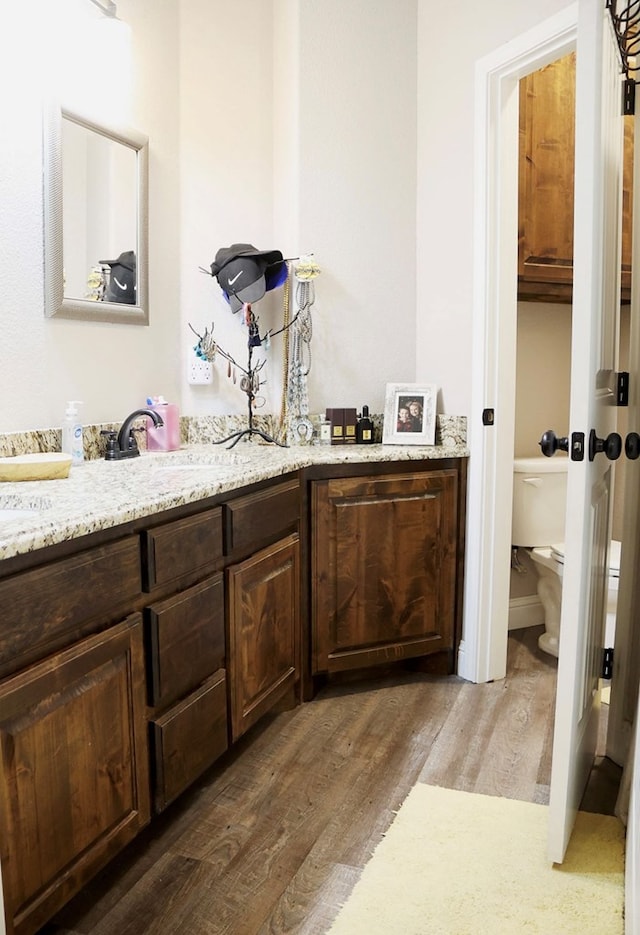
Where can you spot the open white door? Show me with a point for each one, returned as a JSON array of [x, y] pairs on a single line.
[[596, 294]]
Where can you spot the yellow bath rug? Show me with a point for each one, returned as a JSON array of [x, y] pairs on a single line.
[[457, 863]]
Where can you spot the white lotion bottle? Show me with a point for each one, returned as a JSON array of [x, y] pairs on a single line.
[[72, 440]]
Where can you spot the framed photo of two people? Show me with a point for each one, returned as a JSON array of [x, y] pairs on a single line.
[[410, 414]]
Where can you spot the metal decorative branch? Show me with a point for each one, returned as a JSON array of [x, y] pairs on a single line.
[[250, 381], [244, 274]]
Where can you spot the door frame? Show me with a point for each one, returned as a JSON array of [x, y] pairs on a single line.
[[626, 672], [483, 648], [482, 653]]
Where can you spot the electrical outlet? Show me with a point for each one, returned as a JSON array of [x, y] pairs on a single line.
[[199, 371]]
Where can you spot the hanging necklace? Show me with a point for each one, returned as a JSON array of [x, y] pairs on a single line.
[[300, 427]]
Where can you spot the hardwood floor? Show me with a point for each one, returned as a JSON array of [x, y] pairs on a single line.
[[273, 839]]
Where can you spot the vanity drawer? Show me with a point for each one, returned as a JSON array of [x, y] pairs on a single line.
[[44, 608], [185, 639], [189, 738], [183, 546], [261, 515]]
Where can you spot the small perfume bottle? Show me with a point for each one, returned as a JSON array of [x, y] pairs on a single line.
[[324, 431], [364, 428]]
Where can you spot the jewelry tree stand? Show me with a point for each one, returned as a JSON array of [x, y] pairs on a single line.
[[250, 382]]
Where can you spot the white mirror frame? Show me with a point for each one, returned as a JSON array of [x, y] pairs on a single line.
[[55, 302]]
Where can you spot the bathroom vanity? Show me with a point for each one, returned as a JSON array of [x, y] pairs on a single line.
[[147, 631]]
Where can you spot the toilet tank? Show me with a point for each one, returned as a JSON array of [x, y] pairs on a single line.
[[539, 500]]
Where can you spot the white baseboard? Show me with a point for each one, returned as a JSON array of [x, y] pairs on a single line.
[[525, 611], [461, 669]]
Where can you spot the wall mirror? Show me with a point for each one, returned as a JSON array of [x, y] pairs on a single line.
[[95, 220]]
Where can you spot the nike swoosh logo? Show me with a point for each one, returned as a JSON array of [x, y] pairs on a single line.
[[237, 276], [119, 284]]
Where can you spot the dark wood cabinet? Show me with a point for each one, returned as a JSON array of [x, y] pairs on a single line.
[[132, 659], [264, 625], [188, 738], [102, 719], [546, 180], [263, 600], [260, 516], [186, 640], [187, 686], [74, 785], [190, 546], [384, 560], [186, 651], [546, 168], [57, 602]]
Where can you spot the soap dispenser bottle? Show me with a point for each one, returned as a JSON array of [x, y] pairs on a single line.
[[72, 439], [364, 428], [165, 437]]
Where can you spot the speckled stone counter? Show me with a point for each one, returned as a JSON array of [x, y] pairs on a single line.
[[100, 494]]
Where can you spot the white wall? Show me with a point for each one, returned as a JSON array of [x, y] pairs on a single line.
[[343, 127], [310, 149], [226, 171], [451, 37], [543, 374], [358, 126], [46, 361]]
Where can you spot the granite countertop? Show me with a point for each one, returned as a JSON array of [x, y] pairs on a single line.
[[99, 494]]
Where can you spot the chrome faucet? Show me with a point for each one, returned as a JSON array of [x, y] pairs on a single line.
[[124, 445]]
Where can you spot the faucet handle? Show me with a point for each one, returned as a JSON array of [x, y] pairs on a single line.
[[112, 446], [132, 442], [138, 429]]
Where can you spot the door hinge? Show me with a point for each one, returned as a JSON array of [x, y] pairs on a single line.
[[622, 388], [607, 662], [628, 97], [488, 416]]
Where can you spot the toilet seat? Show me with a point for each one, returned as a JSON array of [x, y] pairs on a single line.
[[546, 556], [556, 553]]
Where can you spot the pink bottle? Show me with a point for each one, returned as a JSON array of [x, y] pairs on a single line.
[[166, 437]]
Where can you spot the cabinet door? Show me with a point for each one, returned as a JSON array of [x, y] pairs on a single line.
[[60, 602], [74, 782], [186, 640], [264, 615], [546, 160], [188, 738], [188, 546], [262, 516], [547, 130], [383, 568]]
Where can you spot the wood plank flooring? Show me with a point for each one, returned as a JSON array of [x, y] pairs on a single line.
[[273, 838]]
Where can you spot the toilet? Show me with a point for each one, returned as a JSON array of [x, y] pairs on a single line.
[[539, 504]]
